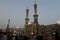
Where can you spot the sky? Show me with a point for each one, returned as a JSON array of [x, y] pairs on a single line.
[[48, 11]]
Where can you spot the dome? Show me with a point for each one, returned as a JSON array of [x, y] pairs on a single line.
[[58, 22]]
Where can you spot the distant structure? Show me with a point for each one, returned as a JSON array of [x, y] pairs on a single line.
[[13, 30], [7, 29]]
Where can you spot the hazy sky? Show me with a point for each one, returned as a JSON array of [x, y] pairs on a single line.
[[48, 10]]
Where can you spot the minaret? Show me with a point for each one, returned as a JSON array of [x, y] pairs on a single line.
[[35, 13], [35, 18], [7, 29], [27, 14]]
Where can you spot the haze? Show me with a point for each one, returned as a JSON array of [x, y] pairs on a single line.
[[48, 10]]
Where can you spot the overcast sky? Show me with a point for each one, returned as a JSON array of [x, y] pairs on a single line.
[[48, 10]]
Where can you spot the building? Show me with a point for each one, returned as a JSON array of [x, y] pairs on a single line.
[[32, 27], [35, 28]]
